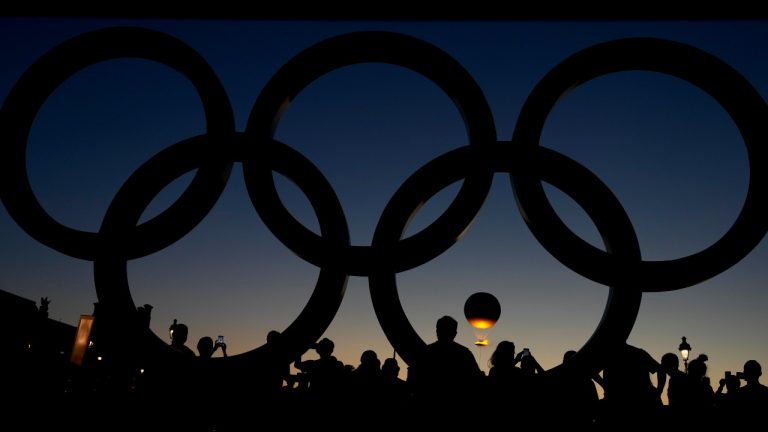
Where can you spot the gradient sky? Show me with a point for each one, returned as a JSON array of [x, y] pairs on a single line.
[[668, 151]]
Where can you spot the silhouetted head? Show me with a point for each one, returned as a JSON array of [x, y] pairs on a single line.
[[504, 353], [446, 328], [752, 370], [324, 347], [369, 357], [698, 367], [180, 332], [568, 354], [205, 346], [670, 362], [390, 368]]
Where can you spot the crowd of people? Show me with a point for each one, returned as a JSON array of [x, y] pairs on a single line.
[[443, 385]]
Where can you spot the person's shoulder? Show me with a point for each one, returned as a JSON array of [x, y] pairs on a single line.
[[184, 350], [431, 349], [462, 348], [500, 371]]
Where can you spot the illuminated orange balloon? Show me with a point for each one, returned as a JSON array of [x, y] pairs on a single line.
[[482, 310]]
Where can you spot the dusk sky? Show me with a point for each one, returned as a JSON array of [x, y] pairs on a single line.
[[667, 150]]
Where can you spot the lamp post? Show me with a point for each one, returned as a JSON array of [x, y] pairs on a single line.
[[685, 351], [173, 327]]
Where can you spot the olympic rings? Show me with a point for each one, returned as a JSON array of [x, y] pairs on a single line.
[[364, 47], [110, 272], [50, 71], [729, 88], [576, 181], [619, 266]]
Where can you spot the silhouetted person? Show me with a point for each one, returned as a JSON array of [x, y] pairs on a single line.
[[503, 363], [505, 382], [726, 403], [679, 388], [391, 406], [43, 311], [276, 368], [574, 396], [180, 334], [367, 375], [206, 347], [533, 388], [629, 395], [396, 393], [177, 384], [325, 377], [702, 396], [445, 375], [263, 380], [257, 384], [365, 384], [210, 392], [181, 366], [677, 385], [752, 397]]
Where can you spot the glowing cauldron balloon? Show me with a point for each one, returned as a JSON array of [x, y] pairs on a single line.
[[482, 310]]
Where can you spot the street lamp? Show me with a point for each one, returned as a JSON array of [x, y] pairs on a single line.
[[173, 327], [685, 350]]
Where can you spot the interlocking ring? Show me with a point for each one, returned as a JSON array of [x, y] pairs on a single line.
[[110, 272], [619, 266], [51, 70], [345, 50], [729, 88], [567, 175]]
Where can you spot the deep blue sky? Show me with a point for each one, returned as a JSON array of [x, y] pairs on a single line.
[[667, 150]]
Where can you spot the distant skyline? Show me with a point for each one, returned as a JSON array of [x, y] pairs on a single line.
[[668, 151]]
